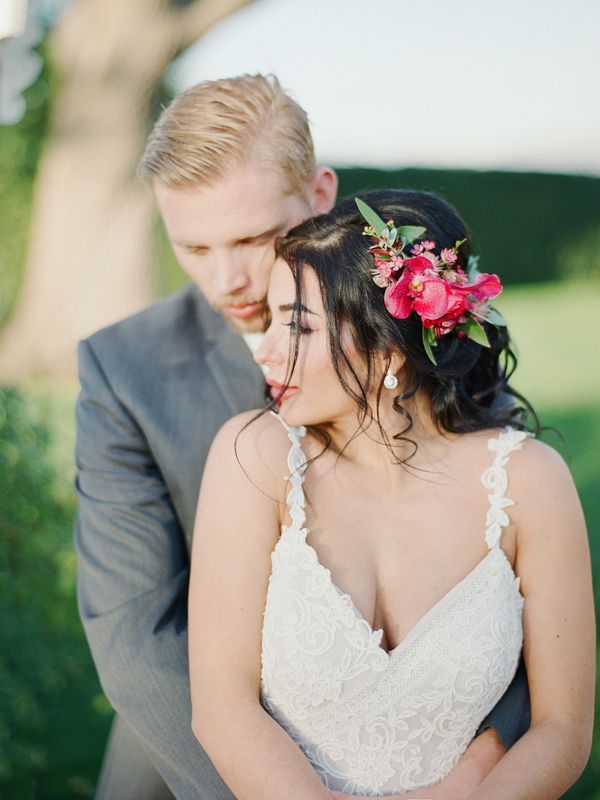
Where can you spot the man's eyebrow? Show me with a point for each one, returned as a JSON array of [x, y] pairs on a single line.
[[296, 307], [270, 234]]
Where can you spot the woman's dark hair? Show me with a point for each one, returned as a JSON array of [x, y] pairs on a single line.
[[469, 386]]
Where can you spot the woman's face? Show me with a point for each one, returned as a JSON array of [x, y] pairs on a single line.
[[315, 395]]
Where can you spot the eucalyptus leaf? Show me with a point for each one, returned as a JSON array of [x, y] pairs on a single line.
[[428, 340], [473, 267], [374, 220], [410, 232], [496, 318], [475, 332]]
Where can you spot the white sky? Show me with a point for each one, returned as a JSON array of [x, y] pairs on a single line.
[[508, 84]]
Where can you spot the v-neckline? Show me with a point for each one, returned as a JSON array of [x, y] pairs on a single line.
[[295, 433], [438, 605]]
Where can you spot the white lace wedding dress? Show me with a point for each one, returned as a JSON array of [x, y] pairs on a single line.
[[373, 722]]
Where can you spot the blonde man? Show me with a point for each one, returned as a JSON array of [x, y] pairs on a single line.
[[231, 165]]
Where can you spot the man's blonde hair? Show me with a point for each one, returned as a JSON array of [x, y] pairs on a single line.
[[216, 126]]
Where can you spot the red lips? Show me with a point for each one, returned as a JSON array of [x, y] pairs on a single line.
[[277, 393]]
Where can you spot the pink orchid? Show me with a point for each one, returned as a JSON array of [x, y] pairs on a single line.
[[418, 289], [485, 286]]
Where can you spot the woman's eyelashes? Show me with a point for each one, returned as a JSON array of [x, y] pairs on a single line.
[[296, 326]]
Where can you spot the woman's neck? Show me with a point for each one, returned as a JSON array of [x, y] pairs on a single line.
[[367, 449]]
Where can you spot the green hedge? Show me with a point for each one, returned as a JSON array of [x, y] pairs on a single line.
[[527, 227], [53, 720]]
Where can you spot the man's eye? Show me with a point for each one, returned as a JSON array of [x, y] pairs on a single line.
[[254, 242], [296, 327]]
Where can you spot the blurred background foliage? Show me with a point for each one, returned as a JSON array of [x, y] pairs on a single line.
[[541, 233]]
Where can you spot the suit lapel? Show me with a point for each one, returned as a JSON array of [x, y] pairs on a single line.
[[228, 357]]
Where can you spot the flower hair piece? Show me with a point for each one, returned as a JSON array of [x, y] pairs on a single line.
[[435, 287]]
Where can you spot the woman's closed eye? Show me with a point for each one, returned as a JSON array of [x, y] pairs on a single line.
[[295, 326]]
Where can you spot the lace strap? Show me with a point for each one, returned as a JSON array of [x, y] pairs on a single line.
[[296, 462], [495, 478]]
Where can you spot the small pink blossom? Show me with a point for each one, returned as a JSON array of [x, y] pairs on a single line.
[[448, 256], [428, 245], [389, 268], [455, 276], [416, 249], [385, 268]]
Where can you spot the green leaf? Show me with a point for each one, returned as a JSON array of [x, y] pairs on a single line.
[[428, 340], [410, 232], [371, 216], [475, 332]]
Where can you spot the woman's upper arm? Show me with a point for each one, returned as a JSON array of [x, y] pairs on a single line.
[[553, 560], [237, 526]]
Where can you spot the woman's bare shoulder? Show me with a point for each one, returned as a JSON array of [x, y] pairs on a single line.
[[541, 484], [255, 442]]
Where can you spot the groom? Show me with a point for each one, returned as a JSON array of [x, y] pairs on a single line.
[[231, 166]]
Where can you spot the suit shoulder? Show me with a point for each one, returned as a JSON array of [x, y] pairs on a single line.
[[169, 317], [173, 328]]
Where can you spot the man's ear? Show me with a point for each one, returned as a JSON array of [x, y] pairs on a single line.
[[322, 190]]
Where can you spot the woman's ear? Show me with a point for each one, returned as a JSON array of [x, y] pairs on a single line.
[[397, 362]]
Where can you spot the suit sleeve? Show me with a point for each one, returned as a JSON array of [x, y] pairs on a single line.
[[132, 585], [511, 716]]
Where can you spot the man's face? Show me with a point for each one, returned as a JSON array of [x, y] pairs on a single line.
[[223, 236]]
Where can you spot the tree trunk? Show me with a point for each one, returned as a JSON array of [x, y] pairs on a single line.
[[90, 259]]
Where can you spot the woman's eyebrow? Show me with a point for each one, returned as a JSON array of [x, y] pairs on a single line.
[[295, 307]]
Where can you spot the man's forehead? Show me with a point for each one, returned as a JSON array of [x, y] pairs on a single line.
[[218, 212]]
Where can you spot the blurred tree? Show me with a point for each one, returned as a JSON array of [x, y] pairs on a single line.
[[90, 251]]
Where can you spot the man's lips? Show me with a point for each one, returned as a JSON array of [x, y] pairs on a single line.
[[243, 311], [275, 390]]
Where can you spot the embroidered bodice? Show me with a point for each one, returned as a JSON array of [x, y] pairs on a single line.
[[373, 722]]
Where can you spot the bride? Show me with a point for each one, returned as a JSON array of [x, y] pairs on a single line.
[[375, 549]]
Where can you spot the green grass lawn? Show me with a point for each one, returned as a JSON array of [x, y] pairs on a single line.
[[556, 331], [553, 328]]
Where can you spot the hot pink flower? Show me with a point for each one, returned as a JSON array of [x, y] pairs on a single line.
[[484, 287], [418, 288]]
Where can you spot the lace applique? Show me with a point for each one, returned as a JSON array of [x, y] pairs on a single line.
[[496, 479], [370, 722]]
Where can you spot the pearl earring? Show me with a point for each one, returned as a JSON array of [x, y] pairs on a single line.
[[390, 381]]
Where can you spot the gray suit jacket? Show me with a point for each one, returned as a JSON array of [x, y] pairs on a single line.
[[155, 388]]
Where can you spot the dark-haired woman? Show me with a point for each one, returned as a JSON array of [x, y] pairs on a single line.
[[352, 623]]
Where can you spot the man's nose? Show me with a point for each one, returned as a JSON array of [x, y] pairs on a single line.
[[231, 273]]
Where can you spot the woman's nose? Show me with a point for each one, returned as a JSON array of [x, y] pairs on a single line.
[[267, 353]]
